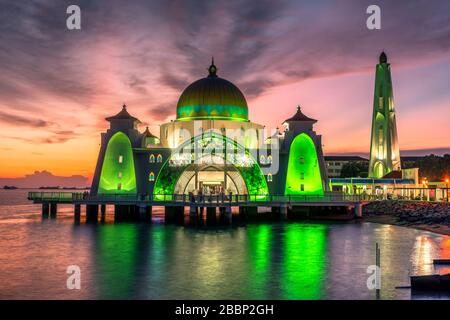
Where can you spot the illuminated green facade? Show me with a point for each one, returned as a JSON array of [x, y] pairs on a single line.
[[118, 174], [303, 171], [211, 144], [384, 147]]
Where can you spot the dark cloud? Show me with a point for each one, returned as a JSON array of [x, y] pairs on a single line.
[[161, 112], [22, 120], [153, 45]]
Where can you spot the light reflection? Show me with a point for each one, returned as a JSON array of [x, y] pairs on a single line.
[[422, 255], [304, 260]]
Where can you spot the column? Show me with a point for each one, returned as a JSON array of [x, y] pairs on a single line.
[[45, 210], [211, 215], [91, 213], [53, 210], [77, 213]]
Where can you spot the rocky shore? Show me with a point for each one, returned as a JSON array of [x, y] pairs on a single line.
[[431, 216]]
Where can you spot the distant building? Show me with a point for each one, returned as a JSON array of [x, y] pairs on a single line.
[[334, 164], [384, 148]]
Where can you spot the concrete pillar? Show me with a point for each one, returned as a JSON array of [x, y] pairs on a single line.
[[242, 214], [103, 212], [168, 214], [358, 210], [211, 215], [283, 212], [145, 213], [91, 213], [53, 210], [179, 214], [77, 212], [45, 210], [226, 215], [193, 215], [251, 212]]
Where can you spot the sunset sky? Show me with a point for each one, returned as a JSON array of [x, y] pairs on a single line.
[[57, 85]]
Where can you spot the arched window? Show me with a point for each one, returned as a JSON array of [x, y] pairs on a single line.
[[151, 176], [262, 159], [152, 158], [269, 159], [159, 158], [269, 177]]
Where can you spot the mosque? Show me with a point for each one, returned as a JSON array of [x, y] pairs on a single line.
[[212, 147]]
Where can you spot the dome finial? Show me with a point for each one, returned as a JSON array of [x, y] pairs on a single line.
[[383, 57], [124, 106], [299, 108], [212, 69]]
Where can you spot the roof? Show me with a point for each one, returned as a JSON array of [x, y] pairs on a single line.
[[345, 158], [393, 175], [148, 134], [212, 97], [122, 115], [370, 181], [299, 116]]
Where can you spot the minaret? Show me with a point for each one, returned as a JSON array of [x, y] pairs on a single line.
[[384, 149]]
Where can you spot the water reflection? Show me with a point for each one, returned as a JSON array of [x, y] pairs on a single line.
[[304, 261], [259, 261]]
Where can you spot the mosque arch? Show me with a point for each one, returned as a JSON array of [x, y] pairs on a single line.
[[303, 172], [210, 148], [118, 173]]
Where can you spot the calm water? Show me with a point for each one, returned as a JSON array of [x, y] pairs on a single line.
[[259, 261]]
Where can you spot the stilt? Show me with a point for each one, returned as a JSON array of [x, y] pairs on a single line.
[[242, 214], [179, 214], [103, 212], [251, 212], [168, 214], [53, 210], [77, 213], [283, 212], [358, 210], [91, 213], [45, 210], [145, 213], [193, 215], [211, 215], [225, 215]]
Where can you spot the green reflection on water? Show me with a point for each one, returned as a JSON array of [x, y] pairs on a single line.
[[259, 238], [303, 261], [116, 260]]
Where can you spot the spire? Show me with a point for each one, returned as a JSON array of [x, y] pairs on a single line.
[[383, 57], [212, 69]]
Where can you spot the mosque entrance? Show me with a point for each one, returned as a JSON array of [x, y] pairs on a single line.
[[211, 180]]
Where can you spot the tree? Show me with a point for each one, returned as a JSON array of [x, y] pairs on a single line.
[[355, 169]]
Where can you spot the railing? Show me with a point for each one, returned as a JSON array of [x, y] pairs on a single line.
[[328, 197], [53, 196]]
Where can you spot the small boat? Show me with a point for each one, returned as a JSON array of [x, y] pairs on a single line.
[[441, 261], [433, 282]]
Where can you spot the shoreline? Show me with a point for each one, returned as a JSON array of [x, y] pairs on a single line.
[[393, 220]]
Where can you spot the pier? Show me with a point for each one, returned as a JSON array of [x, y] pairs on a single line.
[[139, 207]]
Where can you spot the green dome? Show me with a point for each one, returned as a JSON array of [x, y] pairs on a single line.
[[212, 98]]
